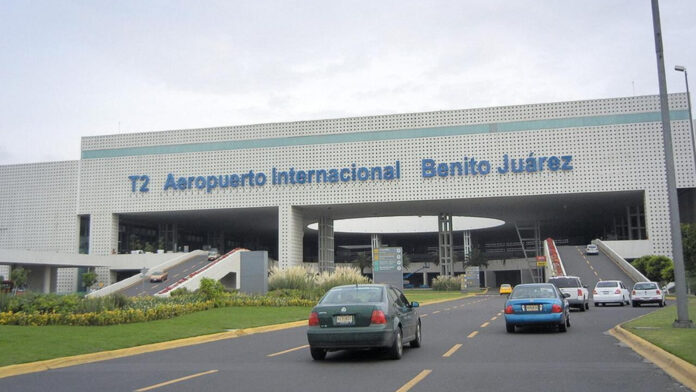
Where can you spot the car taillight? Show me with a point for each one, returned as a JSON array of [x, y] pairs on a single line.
[[594, 291], [617, 291], [556, 308], [378, 317], [579, 293], [313, 319], [633, 292], [508, 310], [658, 292]]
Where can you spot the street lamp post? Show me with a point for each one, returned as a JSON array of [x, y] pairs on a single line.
[[681, 68], [682, 320]]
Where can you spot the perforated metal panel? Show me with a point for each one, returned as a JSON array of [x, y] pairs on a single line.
[[38, 202]]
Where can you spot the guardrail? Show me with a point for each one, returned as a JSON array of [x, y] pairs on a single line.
[[625, 266], [554, 264], [125, 283]]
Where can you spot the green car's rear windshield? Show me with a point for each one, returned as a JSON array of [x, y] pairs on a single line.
[[353, 295]]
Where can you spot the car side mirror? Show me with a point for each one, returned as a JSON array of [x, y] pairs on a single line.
[[566, 295], [415, 304], [584, 286]]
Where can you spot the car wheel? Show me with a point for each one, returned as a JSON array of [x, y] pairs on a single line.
[[562, 327], [587, 306], [662, 304], [634, 304], [318, 354], [568, 321], [582, 307], [510, 327], [417, 341], [397, 348]]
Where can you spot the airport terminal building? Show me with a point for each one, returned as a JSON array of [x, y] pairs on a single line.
[[574, 170]]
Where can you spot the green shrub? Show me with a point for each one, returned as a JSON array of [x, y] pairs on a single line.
[[655, 268], [446, 283], [340, 276], [211, 289], [178, 292], [294, 278]]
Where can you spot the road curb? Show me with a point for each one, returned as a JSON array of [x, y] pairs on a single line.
[[57, 363], [679, 369]]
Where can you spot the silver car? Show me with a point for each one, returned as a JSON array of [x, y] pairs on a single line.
[[647, 293], [591, 249]]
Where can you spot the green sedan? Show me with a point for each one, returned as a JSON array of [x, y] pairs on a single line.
[[363, 316]]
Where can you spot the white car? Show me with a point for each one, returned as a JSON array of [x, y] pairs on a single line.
[[610, 291], [572, 285], [647, 293], [591, 249]]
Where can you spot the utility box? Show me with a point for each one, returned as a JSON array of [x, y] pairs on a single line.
[[253, 272]]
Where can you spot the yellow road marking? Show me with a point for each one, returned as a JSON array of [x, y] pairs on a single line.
[[484, 325], [436, 312], [424, 315], [591, 267], [288, 351], [493, 318], [447, 308], [452, 350], [414, 380], [500, 314], [175, 381], [471, 335], [596, 274]]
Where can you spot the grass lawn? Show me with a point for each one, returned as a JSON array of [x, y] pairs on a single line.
[[656, 327], [20, 344], [420, 295]]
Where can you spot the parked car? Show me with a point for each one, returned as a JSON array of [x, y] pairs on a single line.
[[362, 316], [158, 276], [647, 293], [579, 294], [505, 289], [213, 254], [591, 249], [537, 304], [610, 291]]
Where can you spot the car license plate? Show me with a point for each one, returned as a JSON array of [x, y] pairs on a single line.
[[531, 308], [344, 319]]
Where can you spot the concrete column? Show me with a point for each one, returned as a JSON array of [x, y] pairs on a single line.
[[467, 245], [47, 279], [290, 233], [103, 234], [326, 244], [445, 244], [376, 241]]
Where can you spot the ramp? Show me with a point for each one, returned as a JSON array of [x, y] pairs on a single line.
[[225, 268]]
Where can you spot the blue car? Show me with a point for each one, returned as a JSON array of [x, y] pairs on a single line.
[[537, 304]]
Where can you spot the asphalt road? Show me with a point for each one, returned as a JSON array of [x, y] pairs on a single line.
[[590, 269], [465, 348], [145, 287]]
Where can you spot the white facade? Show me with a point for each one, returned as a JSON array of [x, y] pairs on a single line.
[[615, 145]]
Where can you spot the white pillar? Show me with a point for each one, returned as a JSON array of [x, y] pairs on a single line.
[[47, 279], [290, 233], [103, 234], [326, 244]]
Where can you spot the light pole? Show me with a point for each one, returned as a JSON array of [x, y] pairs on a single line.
[[682, 68], [682, 320]]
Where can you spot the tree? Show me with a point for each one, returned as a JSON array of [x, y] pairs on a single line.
[[20, 277], [89, 278], [149, 248], [655, 268], [362, 261], [476, 259], [689, 246]]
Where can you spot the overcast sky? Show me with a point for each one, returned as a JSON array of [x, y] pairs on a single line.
[[79, 68]]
